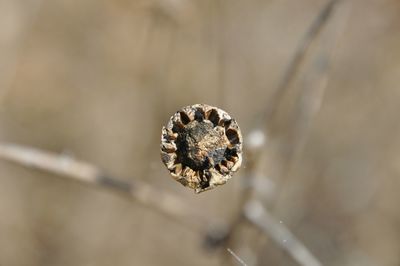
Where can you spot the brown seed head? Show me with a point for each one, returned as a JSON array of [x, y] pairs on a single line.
[[201, 146]]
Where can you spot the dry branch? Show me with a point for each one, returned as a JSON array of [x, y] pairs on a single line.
[[315, 81], [236, 257], [84, 172], [257, 215], [264, 220], [296, 62]]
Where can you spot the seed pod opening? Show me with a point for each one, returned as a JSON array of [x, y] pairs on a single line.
[[201, 146]]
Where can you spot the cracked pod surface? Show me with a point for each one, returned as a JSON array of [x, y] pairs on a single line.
[[201, 146]]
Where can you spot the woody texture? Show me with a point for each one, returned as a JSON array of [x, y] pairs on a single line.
[[201, 146]]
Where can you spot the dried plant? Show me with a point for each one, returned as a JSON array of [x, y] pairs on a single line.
[[201, 146]]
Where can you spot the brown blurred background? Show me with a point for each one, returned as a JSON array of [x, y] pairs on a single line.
[[97, 80]]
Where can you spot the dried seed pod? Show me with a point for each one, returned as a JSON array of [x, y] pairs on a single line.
[[201, 146]]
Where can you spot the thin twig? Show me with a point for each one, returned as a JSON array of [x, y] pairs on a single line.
[[84, 172], [307, 107], [236, 257], [303, 50], [289, 75], [294, 67], [257, 215], [312, 93], [297, 60]]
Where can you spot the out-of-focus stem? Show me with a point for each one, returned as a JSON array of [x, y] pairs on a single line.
[[84, 172]]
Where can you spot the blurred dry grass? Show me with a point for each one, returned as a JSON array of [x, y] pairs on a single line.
[[98, 79]]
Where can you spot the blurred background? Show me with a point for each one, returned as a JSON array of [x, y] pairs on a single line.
[[96, 80]]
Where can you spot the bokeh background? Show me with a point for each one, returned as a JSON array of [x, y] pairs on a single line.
[[97, 80]]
